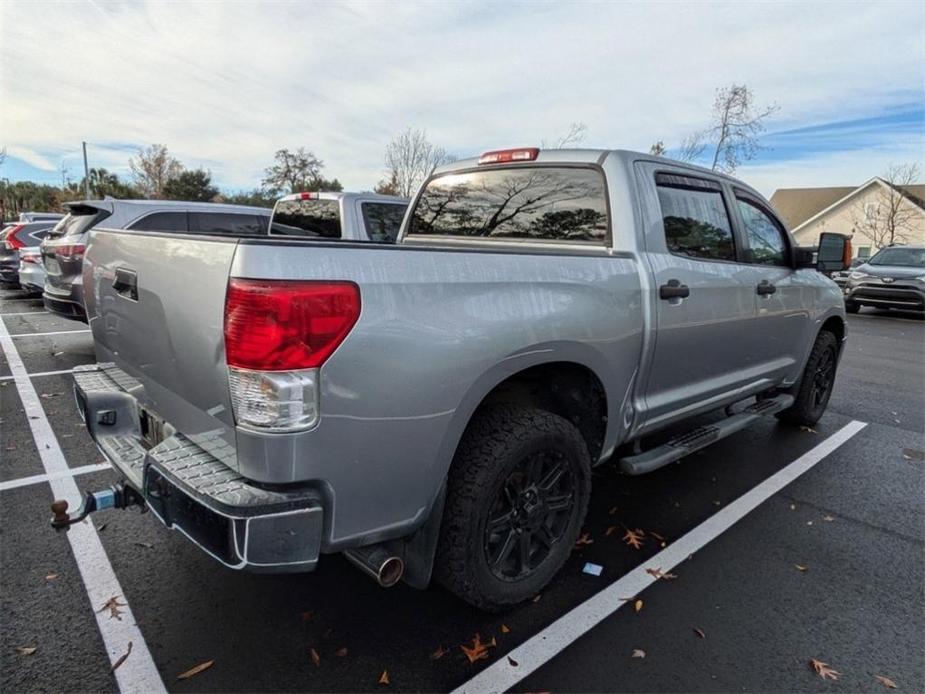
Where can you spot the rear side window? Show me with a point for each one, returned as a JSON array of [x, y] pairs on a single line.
[[766, 243], [161, 221], [526, 203], [314, 218], [695, 217], [227, 223], [382, 220]]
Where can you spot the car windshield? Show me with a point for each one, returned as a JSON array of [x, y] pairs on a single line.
[[905, 257]]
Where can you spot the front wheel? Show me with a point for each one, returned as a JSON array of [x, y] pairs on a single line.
[[852, 307], [517, 494], [815, 387]]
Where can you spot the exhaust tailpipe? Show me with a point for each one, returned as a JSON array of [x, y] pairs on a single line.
[[378, 561]]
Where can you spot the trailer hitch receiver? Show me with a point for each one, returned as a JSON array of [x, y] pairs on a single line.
[[118, 495]]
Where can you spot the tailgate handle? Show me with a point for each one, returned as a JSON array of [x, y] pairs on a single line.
[[126, 283]]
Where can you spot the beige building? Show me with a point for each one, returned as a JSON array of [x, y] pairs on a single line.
[[866, 213]]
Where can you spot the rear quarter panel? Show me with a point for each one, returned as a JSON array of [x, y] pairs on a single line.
[[438, 330]]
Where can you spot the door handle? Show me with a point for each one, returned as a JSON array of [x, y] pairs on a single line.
[[126, 283], [674, 290], [764, 288]]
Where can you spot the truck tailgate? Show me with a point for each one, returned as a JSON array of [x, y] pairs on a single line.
[[155, 304]]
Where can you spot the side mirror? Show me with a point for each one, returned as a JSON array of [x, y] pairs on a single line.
[[834, 253]]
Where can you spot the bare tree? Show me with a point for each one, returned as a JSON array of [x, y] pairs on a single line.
[[2, 155], [293, 172], [152, 168], [658, 149], [410, 158], [692, 147], [575, 135], [737, 125], [890, 216]]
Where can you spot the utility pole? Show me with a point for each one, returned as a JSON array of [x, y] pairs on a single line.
[[86, 173]]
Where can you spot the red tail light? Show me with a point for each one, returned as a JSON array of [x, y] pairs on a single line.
[[29, 257], [13, 242], [75, 250], [502, 156], [278, 325]]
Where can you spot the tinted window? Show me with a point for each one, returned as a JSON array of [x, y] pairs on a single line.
[[695, 218], [161, 221], [78, 220], [549, 204], [766, 244], [307, 218], [909, 257], [382, 220], [227, 223]]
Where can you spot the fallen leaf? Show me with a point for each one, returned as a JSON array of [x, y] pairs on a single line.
[[583, 541], [513, 662], [537, 597], [193, 671], [793, 507], [717, 502], [146, 545], [808, 430], [801, 568], [316, 659], [384, 677], [505, 629], [101, 527], [638, 653], [51, 577], [49, 395], [612, 511], [638, 605], [341, 652], [823, 670], [886, 681], [57, 354], [634, 538], [913, 454], [122, 658], [700, 633], [610, 531], [113, 606], [26, 650], [828, 519], [656, 535], [657, 573], [478, 650], [439, 653], [809, 522]]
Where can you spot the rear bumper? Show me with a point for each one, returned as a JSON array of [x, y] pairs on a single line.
[[189, 488], [64, 307], [32, 277], [9, 269], [899, 296]]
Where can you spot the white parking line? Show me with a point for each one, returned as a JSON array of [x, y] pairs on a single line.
[[137, 673], [28, 313], [56, 332], [39, 373], [538, 650], [35, 479]]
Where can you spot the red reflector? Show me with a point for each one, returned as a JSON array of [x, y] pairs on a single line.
[[71, 251], [12, 240], [279, 325], [502, 156]]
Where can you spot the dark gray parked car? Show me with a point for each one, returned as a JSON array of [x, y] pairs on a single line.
[[893, 278], [62, 251], [17, 236]]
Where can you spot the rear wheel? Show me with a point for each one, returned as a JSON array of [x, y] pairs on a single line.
[[517, 495], [815, 387]]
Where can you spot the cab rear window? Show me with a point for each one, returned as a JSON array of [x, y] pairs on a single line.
[[524, 203], [314, 218]]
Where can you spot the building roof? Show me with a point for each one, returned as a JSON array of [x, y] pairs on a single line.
[[796, 205]]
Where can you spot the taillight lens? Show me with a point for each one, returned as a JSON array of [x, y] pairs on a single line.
[[31, 257], [74, 250], [12, 240], [277, 335]]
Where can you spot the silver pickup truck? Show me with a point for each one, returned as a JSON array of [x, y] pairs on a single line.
[[435, 407]]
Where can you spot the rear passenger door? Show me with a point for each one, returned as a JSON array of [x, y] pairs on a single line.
[[702, 292], [783, 296]]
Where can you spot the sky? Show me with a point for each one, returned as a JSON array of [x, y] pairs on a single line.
[[224, 85]]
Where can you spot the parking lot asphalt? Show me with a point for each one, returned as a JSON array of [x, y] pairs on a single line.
[[829, 567]]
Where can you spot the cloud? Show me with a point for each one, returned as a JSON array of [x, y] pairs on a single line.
[[30, 156], [224, 85]]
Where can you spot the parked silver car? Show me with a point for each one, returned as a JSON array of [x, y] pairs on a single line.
[[435, 406], [62, 251], [31, 270], [893, 278], [16, 237]]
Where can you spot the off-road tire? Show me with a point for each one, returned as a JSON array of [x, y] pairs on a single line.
[[496, 443], [807, 406], [852, 307]]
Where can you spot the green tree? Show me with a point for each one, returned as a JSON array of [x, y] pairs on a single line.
[[388, 187], [254, 198], [152, 168], [293, 172], [103, 183], [193, 185]]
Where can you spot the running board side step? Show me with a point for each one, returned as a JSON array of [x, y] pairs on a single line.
[[701, 437]]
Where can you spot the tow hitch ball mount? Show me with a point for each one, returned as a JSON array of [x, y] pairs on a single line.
[[118, 495]]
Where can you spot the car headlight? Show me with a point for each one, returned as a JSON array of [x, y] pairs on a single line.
[[858, 275]]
